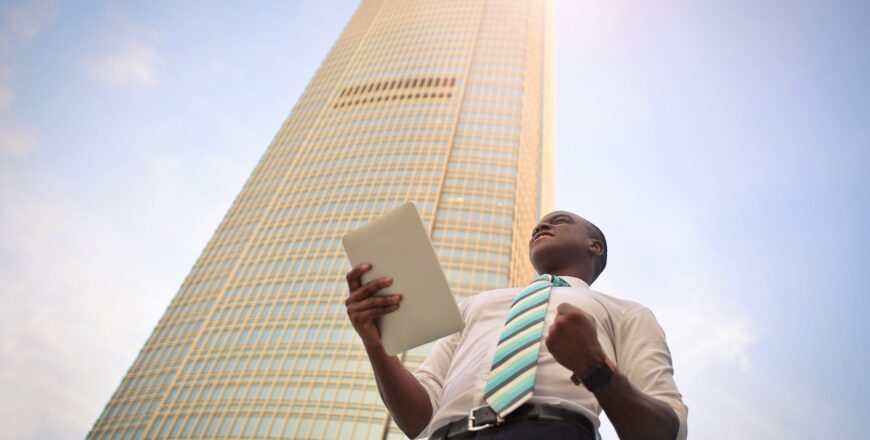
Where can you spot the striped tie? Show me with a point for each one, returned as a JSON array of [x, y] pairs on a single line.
[[512, 376]]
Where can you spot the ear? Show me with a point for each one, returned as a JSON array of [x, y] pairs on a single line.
[[596, 247]]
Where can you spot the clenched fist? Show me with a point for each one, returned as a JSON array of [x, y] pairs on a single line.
[[573, 340]]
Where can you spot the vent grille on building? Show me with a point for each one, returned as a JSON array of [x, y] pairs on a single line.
[[398, 89]]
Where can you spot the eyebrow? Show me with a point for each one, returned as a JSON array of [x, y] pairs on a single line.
[[558, 216]]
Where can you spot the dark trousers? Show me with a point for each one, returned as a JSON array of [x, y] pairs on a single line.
[[533, 429]]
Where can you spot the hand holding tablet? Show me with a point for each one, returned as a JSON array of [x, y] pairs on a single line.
[[399, 296], [363, 308]]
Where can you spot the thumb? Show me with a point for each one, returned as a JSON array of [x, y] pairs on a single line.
[[564, 308]]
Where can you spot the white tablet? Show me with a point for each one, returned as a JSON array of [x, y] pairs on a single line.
[[397, 245]]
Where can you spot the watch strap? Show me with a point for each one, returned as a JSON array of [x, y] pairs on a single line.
[[577, 380]]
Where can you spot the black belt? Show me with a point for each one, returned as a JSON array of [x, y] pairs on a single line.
[[484, 417]]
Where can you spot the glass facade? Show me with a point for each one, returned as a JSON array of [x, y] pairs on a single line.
[[445, 103]]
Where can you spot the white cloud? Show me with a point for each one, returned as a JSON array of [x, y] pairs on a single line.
[[16, 141], [705, 337], [26, 20], [84, 283], [127, 56], [79, 296], [7, 95], [7, 91], [20, 23], [132, 64]]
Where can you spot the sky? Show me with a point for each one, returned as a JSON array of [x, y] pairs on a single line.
[[722, 147]]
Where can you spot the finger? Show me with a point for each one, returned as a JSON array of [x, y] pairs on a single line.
[[552, 332], [363, 317], [564, 308], [371, 314], [373, 302], [354, 277], [576, 379], [370, 288]]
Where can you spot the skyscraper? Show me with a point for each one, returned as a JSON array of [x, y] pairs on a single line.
[[445, 103]]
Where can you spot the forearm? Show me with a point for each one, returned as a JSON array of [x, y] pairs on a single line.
[[405, 398], [634, 414]]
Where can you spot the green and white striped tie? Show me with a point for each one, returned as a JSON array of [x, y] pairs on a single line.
[[512, 376]]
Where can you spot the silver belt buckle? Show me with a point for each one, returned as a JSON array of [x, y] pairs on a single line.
[[471, 418]]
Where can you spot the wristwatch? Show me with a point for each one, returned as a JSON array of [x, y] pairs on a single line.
[[596, 378]]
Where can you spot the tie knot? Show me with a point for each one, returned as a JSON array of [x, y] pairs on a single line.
[[552, 279]]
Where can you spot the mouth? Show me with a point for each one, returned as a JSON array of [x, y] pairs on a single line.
[[541, 235]]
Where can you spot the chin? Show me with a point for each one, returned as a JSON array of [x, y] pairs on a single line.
[[539, 260]]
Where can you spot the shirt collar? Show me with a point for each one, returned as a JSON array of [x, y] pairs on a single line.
[[574, 281]]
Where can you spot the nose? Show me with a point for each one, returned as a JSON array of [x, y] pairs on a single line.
[[540, 227]]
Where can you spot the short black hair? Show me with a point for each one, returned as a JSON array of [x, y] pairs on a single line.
[[601, 261]]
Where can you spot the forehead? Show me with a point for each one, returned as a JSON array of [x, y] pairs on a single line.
[[557, 214]]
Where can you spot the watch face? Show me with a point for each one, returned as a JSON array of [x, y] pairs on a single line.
[[597, 378]]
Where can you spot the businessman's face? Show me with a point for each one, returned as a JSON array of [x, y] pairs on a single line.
[[560, 239]]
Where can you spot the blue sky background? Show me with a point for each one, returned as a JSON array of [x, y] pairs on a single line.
[[723, 147]]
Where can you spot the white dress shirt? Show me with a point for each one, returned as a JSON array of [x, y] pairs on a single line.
[[455, 372]]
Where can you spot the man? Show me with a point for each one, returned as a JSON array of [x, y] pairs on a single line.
[[514, 371]]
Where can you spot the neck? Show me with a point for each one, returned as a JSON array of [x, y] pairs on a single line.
[[583, 273]]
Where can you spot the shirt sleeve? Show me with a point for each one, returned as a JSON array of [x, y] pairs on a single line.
[[432, 372], [644, 358]]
